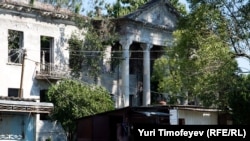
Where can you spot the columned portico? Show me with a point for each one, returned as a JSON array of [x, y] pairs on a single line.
[[148, 28], [125, 71], [146, 100]]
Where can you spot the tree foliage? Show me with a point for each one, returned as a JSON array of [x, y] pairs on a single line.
[[73, 5], [199, 66], [235, 14], [239, 100], [73, 99], [89, 53], [124, 7]]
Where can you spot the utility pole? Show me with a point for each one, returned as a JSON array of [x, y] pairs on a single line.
[[20, 92]]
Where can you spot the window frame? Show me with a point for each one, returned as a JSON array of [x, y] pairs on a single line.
[[15, 46], [13, 92]]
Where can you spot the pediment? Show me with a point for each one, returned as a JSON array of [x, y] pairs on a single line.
[[159, 13]]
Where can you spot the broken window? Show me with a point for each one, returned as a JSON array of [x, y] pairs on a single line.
[[15, 44]]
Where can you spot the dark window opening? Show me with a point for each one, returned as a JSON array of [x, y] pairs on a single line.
[[44, 98], [136, 59], [131, 100], [13, 92], [46, 47], [181, 121], [44, 116], [46, 53], [116, 56]]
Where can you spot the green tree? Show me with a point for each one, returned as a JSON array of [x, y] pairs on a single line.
[[73, 5], [89, 53], [239, 100], [73, 99], [236, 19], [199, 65], [124, 7]]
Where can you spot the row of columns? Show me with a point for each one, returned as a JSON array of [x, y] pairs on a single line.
[[125, 72]]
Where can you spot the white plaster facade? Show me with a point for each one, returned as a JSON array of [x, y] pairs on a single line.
[[33, 22], [193, 116]]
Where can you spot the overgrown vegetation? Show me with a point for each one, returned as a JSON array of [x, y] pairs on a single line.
[[239, 100], [89, 52], [123, 7], [72, 5], [73, 99], [199, 66]]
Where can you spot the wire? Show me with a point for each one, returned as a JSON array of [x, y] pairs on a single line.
[[104, 51]]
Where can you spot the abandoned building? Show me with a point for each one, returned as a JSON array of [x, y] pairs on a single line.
[[34, 54], [33, 43]]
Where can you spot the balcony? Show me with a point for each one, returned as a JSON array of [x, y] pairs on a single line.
[[50, 71]]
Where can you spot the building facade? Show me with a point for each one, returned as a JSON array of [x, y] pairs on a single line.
[[33, 43]]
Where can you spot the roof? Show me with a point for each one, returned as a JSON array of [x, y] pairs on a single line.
[[147, 111], [149, 5], [153, 110], [45, 10], [155, 14], [195, 108]]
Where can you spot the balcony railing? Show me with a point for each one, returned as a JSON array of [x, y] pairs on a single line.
[[52, 71]]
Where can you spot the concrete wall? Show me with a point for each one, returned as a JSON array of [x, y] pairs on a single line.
[[50, 130], [193, 117], [32, 28], [17, 127]]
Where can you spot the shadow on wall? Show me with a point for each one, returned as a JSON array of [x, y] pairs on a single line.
[[59, 51], [50, 131]]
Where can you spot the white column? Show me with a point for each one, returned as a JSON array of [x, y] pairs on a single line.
[[125, 70], [146, 100]]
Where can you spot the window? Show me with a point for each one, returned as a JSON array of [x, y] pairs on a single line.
[[13, 92], [181, 121], [15, 44], [46, 53], [44, 98], [136, 59]]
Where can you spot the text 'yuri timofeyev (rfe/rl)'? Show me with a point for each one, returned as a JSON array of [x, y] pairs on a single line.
[[209, 133]]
